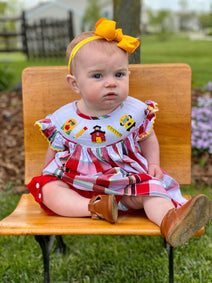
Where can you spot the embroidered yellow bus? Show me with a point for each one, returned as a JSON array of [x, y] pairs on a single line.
[[69, 125], [127, 122]]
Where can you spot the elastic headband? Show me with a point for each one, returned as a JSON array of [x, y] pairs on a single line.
[[107, 29]]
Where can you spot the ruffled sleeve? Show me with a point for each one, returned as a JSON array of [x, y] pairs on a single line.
[[148, 123], [52, 134]]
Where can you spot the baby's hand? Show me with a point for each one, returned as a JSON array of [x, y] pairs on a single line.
[[155, 171]]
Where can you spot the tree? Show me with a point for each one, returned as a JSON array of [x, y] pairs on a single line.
[[206, 20], [3, 6], [92, 14], [183, 5], [127, 15], [160, 22], [11, 8]]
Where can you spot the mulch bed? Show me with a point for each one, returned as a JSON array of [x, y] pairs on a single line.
[[12, 145]]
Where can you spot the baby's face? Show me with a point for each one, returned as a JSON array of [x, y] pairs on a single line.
[[102, 78]]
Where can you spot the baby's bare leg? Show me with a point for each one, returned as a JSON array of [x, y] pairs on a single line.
[[58, 197], [154, 207]]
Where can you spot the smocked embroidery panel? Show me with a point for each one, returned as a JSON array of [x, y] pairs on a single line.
[[102, 131]]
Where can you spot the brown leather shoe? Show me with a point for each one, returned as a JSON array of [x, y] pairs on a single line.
[[179, 225], [103, 207]]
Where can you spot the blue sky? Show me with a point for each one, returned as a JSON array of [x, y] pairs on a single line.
[[193, 5]]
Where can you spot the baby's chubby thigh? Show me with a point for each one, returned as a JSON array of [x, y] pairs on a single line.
[[132, 202], [52, 191], [64, 201]]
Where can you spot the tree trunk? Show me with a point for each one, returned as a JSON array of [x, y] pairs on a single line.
[[127, 15]]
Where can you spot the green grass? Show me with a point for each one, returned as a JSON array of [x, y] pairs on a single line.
[[179, 49], [18, 62], [103, 259]]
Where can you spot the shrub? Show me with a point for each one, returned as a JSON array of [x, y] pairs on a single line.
[[202, 125], [6, 77]]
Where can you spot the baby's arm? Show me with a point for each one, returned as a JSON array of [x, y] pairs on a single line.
[[49, 155], [150, 150]]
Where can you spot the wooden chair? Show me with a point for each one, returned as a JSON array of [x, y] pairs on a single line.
[[45, 90]]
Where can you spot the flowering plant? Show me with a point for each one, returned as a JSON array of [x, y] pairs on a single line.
[[208, 86], [201, 138]]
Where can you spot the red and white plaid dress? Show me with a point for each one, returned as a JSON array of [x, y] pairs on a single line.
[[102, 153]]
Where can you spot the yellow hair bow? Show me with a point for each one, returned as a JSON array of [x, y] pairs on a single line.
[[107, 29]]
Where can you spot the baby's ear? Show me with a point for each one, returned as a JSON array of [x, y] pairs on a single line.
[[72, 82]]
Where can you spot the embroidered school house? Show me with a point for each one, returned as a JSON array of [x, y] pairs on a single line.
[[98, 136]]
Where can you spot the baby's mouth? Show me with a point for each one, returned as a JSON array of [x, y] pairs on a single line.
[[110, 94]]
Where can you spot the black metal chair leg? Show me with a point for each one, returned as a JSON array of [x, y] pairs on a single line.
[[61, 245], [169, 250], [46, 243]]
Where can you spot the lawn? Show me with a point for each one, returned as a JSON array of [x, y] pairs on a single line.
[[103, 259], [17, 62], [179, 49]]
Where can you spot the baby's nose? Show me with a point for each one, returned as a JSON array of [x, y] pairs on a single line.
[[110, 83]]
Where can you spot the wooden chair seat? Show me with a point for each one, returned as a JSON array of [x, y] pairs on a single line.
[[29, 219]]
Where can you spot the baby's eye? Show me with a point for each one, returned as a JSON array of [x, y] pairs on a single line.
[[119, 74], [97, 76]]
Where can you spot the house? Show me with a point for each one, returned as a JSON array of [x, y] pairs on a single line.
[[59, 9], [171, 22]]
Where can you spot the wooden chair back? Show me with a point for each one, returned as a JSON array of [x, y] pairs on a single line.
[[45, 89]]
